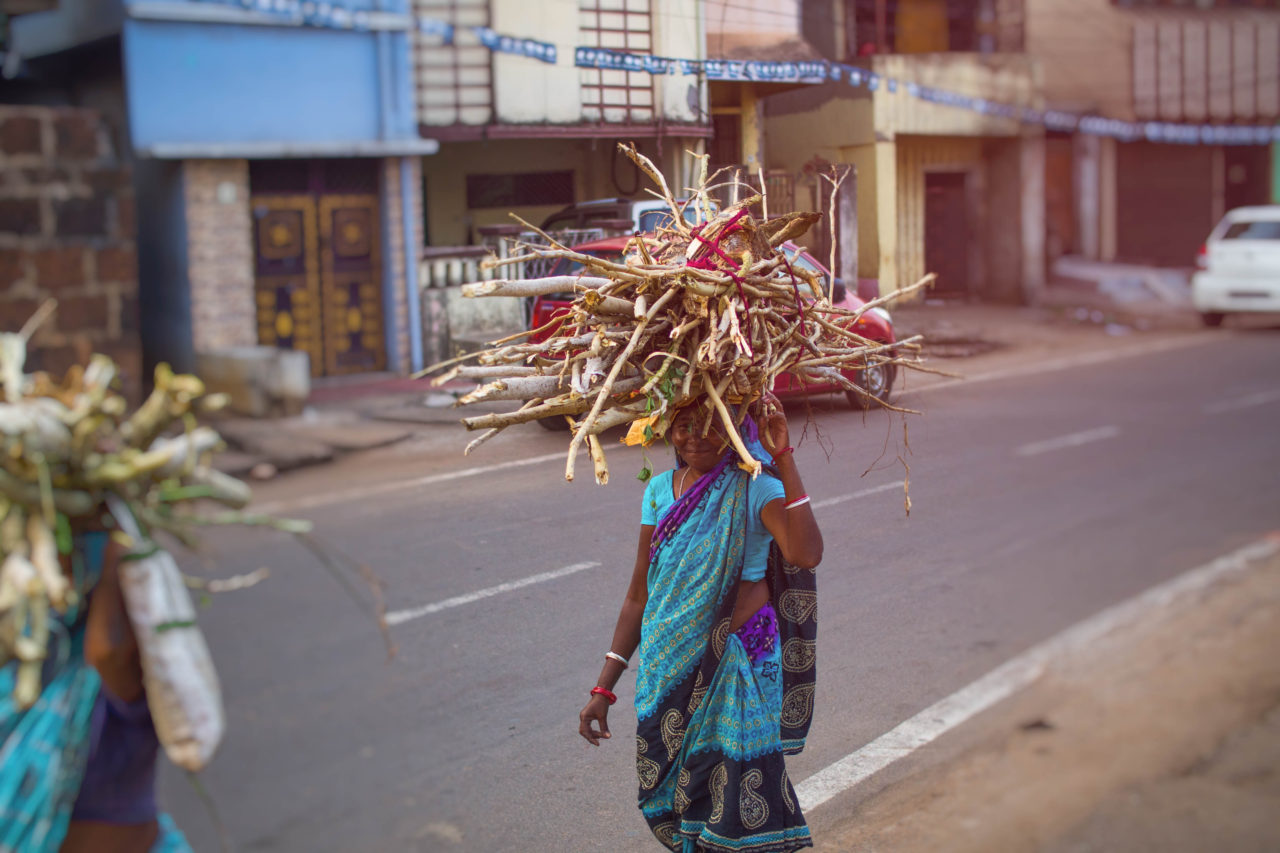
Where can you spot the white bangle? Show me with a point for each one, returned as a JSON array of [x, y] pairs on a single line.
[[797, 502], [619, 658]]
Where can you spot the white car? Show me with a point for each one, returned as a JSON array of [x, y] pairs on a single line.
[[1239, 265]]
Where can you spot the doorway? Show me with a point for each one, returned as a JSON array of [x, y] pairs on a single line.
[[318, 266], [946, 231]]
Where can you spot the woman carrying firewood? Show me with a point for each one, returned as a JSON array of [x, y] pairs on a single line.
[[80, 764], [722, 609]]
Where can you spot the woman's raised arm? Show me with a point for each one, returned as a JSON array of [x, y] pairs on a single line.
[[795, 529]]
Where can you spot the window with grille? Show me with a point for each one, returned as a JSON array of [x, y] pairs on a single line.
[[454, 82], [622, 97]]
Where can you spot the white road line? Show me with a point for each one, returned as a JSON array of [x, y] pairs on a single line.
[[398, 616], [1062, 442], [347, 495], [1259, 399], [352, 495], [839, 499], [1014, 675]]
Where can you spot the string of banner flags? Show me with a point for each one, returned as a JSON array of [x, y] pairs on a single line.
[[331, 15]]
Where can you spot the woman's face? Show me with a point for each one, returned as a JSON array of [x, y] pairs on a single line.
[[702, 453]]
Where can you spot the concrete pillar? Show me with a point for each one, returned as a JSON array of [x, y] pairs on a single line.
[[887, 214], [219, 231], [1032, 215], [847, 220], [1275, 173], [1107, 200], [752, 128], [1085, 157]]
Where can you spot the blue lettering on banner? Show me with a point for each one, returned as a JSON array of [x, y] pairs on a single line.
[[436, 27], [520, 47]]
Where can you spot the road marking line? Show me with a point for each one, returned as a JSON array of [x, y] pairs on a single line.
[[398, 616], [839, 499], [352, 495], [1062, 442], [1259, 399], [313, 501], [1057, 364], [1014, 675]]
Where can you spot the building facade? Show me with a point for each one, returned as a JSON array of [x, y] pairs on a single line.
[[957, 192], [525, 136], [1212, 62], [276, 167]]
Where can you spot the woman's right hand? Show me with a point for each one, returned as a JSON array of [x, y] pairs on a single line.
[[596, 711]]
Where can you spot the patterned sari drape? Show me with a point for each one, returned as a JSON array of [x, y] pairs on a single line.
[[713, 727]]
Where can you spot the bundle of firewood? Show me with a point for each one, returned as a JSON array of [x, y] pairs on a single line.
[[714, 309], [71, 446]]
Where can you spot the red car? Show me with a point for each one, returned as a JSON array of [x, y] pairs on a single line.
[[875, 325]]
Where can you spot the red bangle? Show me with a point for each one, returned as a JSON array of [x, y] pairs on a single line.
[[608, 694], [782, 452]]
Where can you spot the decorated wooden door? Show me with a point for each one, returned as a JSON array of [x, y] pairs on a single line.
[[318, 268], [351, 285]]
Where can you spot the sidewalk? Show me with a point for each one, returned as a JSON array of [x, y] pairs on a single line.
[[1162, 735], [349, 416]]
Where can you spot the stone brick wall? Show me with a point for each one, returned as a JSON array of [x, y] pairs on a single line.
[[219, 253], [67, 231]]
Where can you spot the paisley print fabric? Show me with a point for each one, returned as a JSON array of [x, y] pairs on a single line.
[[714, 720]]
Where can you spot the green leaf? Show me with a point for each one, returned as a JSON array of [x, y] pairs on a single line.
[[645, 474], [176, 623], [648, 432], [62, 535]]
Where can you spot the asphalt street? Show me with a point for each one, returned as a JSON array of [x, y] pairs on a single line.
[[1036, 501]]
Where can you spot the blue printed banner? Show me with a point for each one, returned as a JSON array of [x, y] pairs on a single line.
[[615, 60], [436, 27], [521, 47], [714, 69]]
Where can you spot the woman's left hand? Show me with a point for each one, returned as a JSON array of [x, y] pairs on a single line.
[[774, 434]]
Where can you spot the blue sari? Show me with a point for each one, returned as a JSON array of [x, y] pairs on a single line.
[[713, 726], [44, 749]]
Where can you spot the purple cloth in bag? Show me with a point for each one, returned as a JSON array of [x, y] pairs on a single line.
[[120, 779]]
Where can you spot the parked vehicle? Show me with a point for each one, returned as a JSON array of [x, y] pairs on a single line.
[[645, 215], [876, 325], [1239, 265]]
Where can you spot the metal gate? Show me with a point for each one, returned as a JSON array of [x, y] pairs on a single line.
[[318, 266]]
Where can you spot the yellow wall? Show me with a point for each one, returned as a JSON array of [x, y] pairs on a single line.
[[863, 158], [1004, 78], [793, 140]]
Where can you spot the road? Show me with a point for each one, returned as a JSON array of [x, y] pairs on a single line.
[[1037, 500]]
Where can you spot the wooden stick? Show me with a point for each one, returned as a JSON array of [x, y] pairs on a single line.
[[750, 461], [585, 425], [532, 286]]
